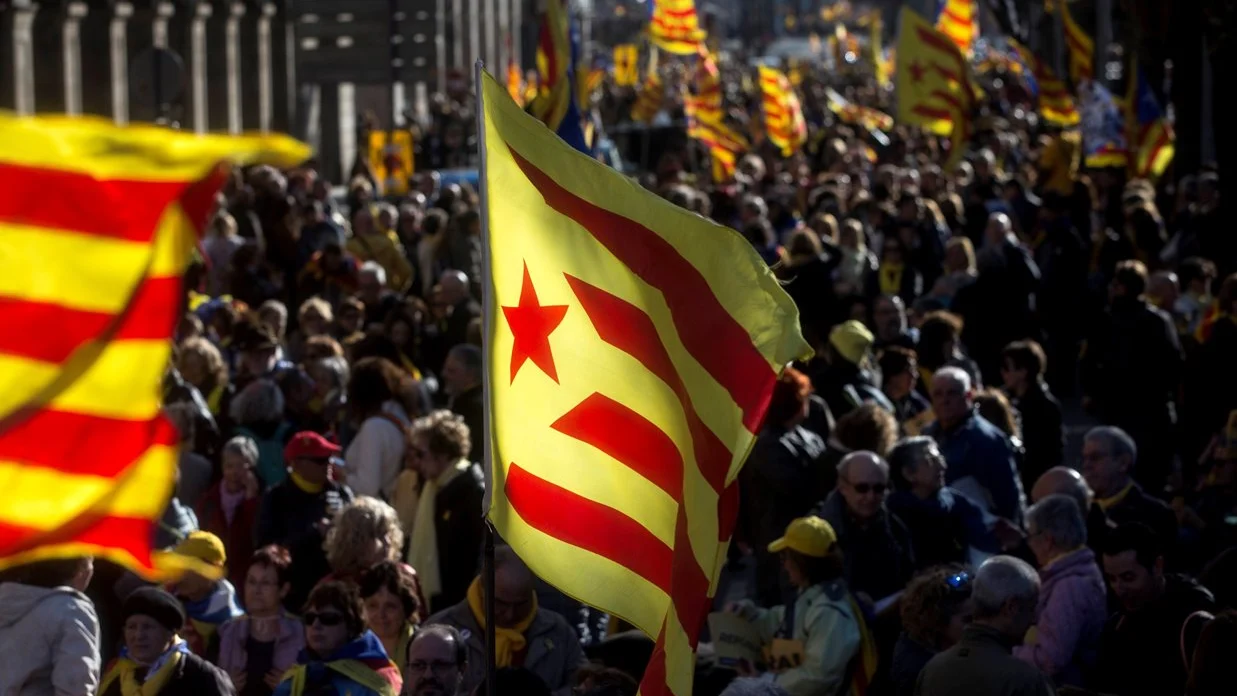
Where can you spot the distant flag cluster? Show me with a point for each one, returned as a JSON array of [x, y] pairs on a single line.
[[675, 27], [1056, 104], [934, 83], [1080, 46], [784, 122], [959, 20]]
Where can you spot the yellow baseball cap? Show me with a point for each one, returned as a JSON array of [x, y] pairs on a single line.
[[851, 339], [810, 536], [203, 553]]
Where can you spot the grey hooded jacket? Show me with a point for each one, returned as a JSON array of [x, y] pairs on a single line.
[[49, 642]]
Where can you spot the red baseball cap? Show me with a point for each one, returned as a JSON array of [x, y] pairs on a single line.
[[309, 445]]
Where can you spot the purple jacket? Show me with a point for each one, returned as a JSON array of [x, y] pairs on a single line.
[[234, 634], [1072, 610]]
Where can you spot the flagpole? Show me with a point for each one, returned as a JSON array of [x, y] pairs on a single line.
[[487, 316]]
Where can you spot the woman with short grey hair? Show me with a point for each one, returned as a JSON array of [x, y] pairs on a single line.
[[1073, 598], [229, 509], [258, 412]]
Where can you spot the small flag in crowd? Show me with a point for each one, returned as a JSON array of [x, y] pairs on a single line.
[[857, 114], [1149, 132], [724, 143], [649, 99], [959, 20], [1103, 127], [1056, 104], [934, 86], [98, 224], [675, 26], [626, 65], [1080, 46], [708, 85], [553, 66], [632, 353], [784, 121]]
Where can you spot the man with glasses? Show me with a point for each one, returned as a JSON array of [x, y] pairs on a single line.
[[295, 514], [1108, 459], [875, 544], [436, 661]]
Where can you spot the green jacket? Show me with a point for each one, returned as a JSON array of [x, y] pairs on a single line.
[[826, 625]]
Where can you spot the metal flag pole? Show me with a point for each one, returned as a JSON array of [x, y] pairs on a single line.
[[487, 316]]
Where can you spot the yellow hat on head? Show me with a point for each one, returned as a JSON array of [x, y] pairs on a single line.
[[203, 553], [810, 536], [851, 339]]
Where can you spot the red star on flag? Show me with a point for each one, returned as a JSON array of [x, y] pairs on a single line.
[[917, 71], [531, 325]]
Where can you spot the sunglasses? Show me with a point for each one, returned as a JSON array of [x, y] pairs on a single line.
[[865, 488], [326, 618]]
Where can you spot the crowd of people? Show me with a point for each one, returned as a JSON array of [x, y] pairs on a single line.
[[913, 519]]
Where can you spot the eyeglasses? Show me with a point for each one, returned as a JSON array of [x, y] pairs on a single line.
[[865, 488], [437, 666], [959, 581], [327, 618]]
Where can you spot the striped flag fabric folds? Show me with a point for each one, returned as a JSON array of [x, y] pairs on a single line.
[[553, 66], [724, 143], [1056, 104], [96, 227], [959, 20], [1080, 46], [1150, 133], [649, 99], [784, 121], [934, 86], [675, 27], [632, 351]]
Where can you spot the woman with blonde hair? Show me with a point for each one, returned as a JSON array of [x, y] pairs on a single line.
[[201, 364], [365, 533]]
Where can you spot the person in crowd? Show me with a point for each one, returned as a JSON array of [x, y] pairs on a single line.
[[935, 608], [258, 413], [751, 686], [1062, 480], [194, 471], [899, 374], [382, 248], [364, 533], [875, 545], [825, 620], [782, 479], [594, 680], [889, 324], [376, 296], [462, 306], [940, 345], [1022, 369], [155, 661], [1109, 456], [448, 526], [341, 654], [1146, 647], [257, 648], [313, 318], [49, 631], [1212, 668], [201, 364], [980, 457], [210, 600], [1004, 595], [844, 378], [461, 374], [526, 635], [257, 352], [229, 509], [297, 513], [389, 595], [375, 456], [1072, 601], [944, 525], [437, 662]]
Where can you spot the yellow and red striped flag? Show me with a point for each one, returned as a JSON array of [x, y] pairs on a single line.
[[649, 99], [857, 114], [515, 83], [632, 351], [784, 121], [724, 143], [1080, 46], [626, 65], [675, 27], [708, 86], [97, 224], [1056, 104], [959, 20]]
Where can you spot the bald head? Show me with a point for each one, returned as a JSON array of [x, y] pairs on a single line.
[[454, 286], [860, 464], [1062, 480]]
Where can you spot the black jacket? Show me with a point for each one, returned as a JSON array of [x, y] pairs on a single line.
[[1137, 506], [1131, 366], [471, 407], [288, 516], [459, 529], [193, 677], [1042, 436]]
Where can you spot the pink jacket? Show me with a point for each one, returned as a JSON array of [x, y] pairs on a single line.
[[1072, 609], [234, 634]]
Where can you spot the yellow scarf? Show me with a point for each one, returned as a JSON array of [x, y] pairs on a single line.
[[891, 278], [125, 670], [1106, 503], [304, 485], [507, 641], [423, 552], [352, 669]]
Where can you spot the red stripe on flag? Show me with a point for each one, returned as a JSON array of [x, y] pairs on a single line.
[[628, 328], [628, 437], [112, 208], [130, 535], [73, 443], [654, 681], [587, 524], [933, 112], [709, 333], [51, 332], [942, 45]]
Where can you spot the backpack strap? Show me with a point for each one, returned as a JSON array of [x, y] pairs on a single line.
[[1187, 656]]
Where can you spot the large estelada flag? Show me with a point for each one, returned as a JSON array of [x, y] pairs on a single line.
[[675, 27], [97, 224], [934, 86], [632, 349]]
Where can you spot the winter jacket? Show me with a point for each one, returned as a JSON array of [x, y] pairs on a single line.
[[288, 517], [375, 457], [981, 663], [365, 652], [1072, 611], [982, 465], [879, 558], [234, 636], [947, 528], [49, 641]]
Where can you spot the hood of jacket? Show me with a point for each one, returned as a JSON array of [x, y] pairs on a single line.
[[17, 601]]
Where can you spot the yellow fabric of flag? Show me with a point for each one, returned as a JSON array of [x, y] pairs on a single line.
[[97, 224], [632, 348], [649, 99], [515, 83], [934, 85], [784, 122], [959, 20], [1080, 45], [391, 160], [675, 27], [626, 65], [1056, 104], [880, 66]]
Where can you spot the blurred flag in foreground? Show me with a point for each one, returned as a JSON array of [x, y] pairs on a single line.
[[783, 115], [1149, 132], [96, 227], [675, 27], [632, 352]]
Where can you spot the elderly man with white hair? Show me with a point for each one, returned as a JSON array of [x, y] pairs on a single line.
[[1005, 594], [876, 546], [980, 456], [1109, 456], [1073, 600]]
